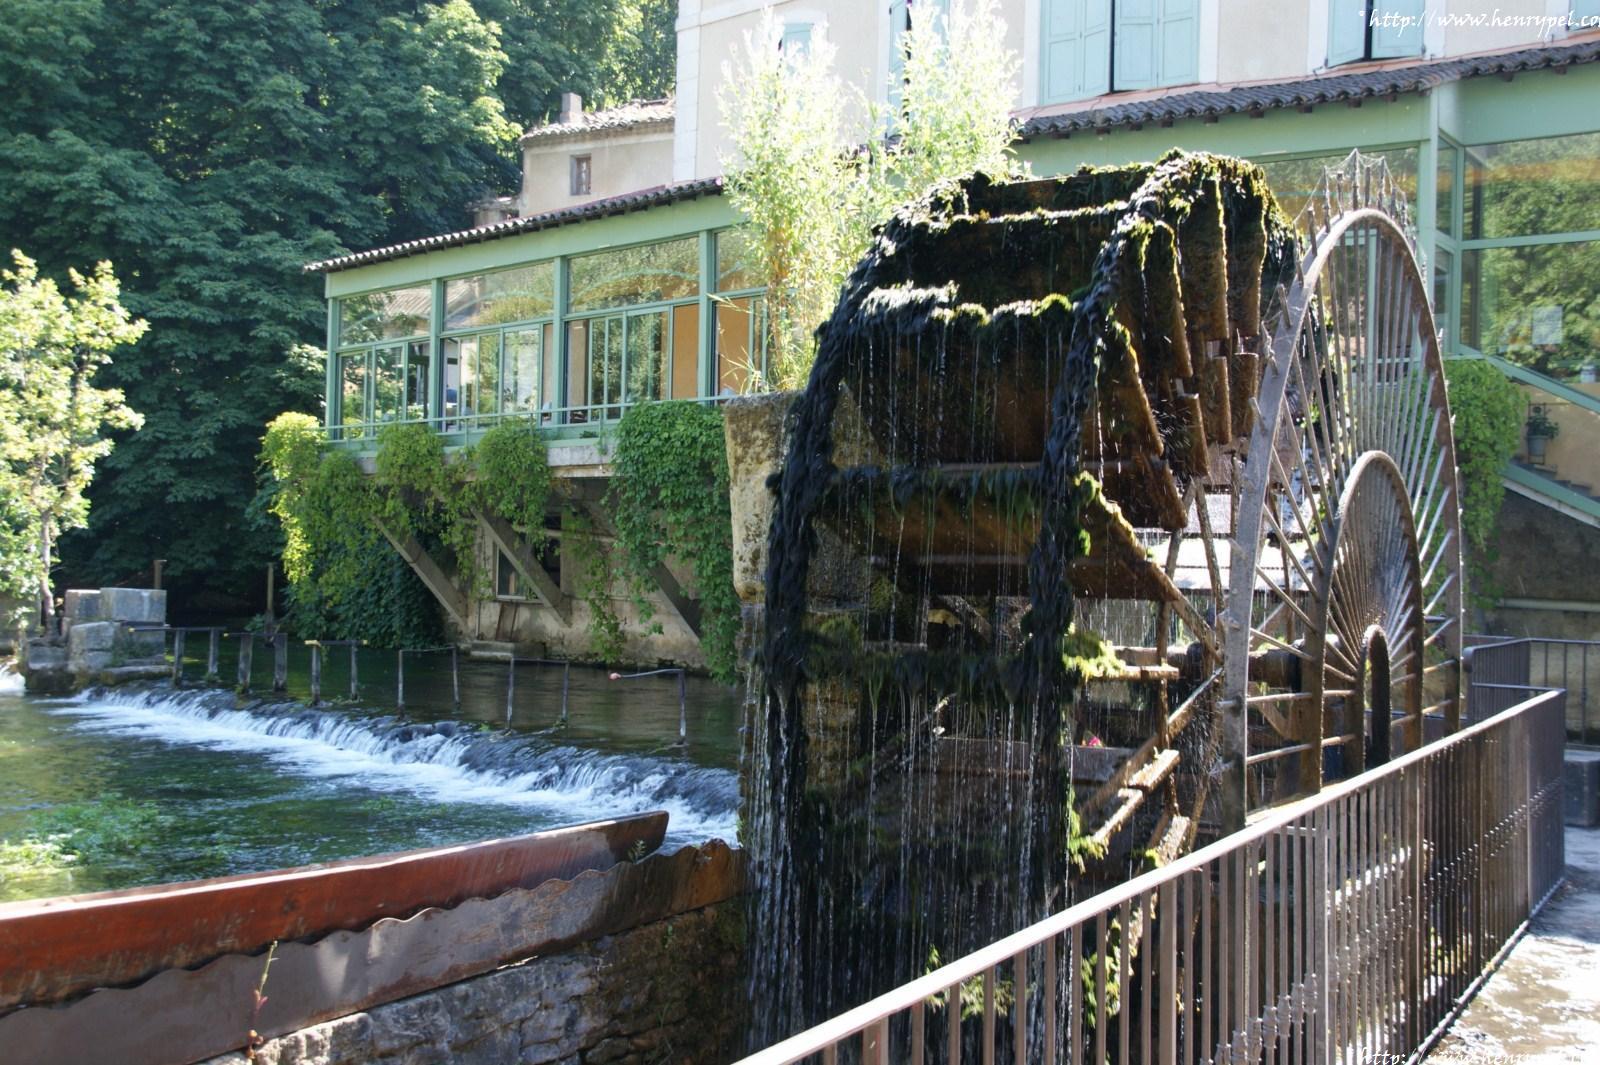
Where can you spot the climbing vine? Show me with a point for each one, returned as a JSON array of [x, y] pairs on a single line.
[[513, 477], [591, 559], [1488, 412], [670, 496]]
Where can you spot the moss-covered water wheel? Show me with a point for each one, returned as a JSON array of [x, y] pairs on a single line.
[[1117, 506]]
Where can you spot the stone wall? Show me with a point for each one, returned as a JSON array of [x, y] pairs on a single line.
[[670, 991], [95, 644]]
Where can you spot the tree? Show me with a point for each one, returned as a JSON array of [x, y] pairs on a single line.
[[53, 418], [210, 149], [810, 201]]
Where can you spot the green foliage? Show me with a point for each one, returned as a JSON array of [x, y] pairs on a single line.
[[811, 206], [1541, 424], [54, 420], [669, 491], [592, 559], [1487, 410], [210, 148], [513, 476]]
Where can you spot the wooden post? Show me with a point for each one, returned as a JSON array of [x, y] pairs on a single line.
[[213, 653], [683, 705], [455, 677], [355, 685], [566, 683], [280, 662], [271, 580], [247, 649], [511, 686], [400, 680], [316, 672], [177, 658], [155, 577]]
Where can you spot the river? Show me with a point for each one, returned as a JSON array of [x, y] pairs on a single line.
[[139, 785]]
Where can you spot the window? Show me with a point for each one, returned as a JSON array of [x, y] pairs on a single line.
[[507, 581], [582, 168], [1373, 29], [796, 39], [740, 321], [383, 374], [647, 273], [903, 14], [1093, 47], [1527, 188], [520, 295], [1585, 15], [1293, 181]]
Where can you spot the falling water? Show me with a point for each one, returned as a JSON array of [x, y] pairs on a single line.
[[912, 707]]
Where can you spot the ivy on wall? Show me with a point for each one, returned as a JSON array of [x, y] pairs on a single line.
[[669, 490], [1488, 412], [668, 497]]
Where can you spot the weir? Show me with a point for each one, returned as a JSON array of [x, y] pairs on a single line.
[[1054, 583]]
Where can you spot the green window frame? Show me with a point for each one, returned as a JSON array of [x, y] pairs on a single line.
[[378, 378], [496, 363]]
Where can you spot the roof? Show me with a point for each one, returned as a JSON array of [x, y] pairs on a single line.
[[642, 200], [635, 115], [1372, 81]]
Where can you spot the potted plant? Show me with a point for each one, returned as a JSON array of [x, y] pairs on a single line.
[[1541, 429]]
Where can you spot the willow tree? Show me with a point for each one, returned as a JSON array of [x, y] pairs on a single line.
[[53, 419], [816, 163]]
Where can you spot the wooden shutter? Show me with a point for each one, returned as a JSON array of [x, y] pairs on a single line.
[[796, 38], [1390, 41], [1178, 58], [1585, 9], [1077, 49], [1347, 31], [1136, 35]]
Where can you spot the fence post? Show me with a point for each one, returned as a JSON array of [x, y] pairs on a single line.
[[247, 650], [683, 706], [316, 672], [566, 681], [213, 649], [455, 677], [177, 658], [400, 680], [511, 685], [280, 662], [355, 684], [1321, 885]]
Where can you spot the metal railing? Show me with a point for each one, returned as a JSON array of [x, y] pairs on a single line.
[[1350, 927], [1501, 672]]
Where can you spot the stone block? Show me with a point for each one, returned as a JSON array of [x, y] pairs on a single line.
[[133, 604], [82, 604], [44, 656], [1582, 772], [93, 662], [89, 637]]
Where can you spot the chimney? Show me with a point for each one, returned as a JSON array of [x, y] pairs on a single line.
[[571, 108]]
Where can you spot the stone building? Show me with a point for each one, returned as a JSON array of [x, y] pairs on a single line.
[[622, 276]]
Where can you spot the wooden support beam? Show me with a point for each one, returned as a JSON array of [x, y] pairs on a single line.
[[516, 549], [422, 564], [687, 609]]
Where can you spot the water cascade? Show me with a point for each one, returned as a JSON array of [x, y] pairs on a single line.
[[966, 671]]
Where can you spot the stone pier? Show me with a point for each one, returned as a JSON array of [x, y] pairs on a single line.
[[107, 636]]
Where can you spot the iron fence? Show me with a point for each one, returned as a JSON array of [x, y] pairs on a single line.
[[1502, 672], [1350, 927]]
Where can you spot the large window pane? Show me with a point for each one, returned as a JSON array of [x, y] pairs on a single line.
[[353, 391], [498, 298], [741, 344], [736, 261], [520, 388], [647, 356], [417, 378], [645, 274], [1443, 265], [1521, 188], [1445, 189], [387, 383], [391, 315], [471, 379], [685, 352], [1538, 306], [605, 366], [1293, 181]]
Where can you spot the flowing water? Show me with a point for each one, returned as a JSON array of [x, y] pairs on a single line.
[[120, 787]]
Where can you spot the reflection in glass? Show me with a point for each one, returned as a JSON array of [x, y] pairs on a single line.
[[1443, 266], [647, 352], [387, 384], [1523, 188], [353, 392], [391, 315], [504, 296], [736, 262], [520, 389], [1538, 305], [645, 274], [417, 364], [741, 344], [1445, 189], [1293, 181]]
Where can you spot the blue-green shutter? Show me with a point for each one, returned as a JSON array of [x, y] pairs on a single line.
[[898, 23], [796, 38], [1347, 31], [1390, 40], [1077, 49], [1135, 40], [1179, 42], [1585, 9]]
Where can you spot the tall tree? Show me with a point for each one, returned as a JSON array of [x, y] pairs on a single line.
[[210, 149], [53, 417]]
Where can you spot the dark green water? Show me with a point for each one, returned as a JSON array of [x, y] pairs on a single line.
[[123, 787]]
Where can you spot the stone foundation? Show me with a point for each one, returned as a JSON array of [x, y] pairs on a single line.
[[670, 991], [95, 645]]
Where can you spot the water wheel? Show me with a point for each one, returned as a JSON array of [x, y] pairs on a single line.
[[1117, 506]]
